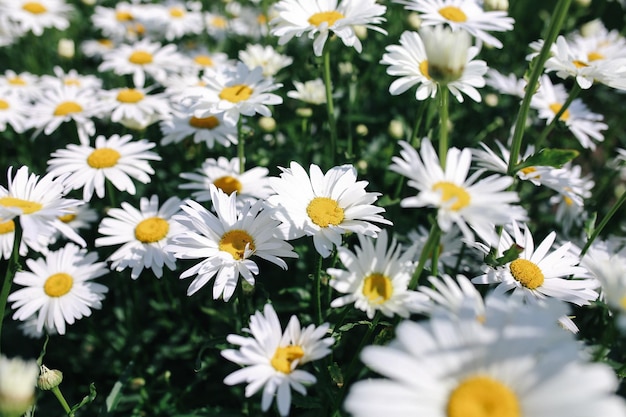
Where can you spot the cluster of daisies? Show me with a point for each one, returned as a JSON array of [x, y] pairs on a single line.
[[502, 354]]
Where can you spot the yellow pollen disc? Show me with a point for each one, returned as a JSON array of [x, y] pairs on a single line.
[[123, 16], [106, 42], [219, 22], [452, 191], [28, 207], [66, 218], [4, 105], [235, 242], [17, 81], [210, 122], [527, 273], [556, 107], [622, 302], [58, 284], [424, 68], [177, 12], [482, 396], [72, 81], [453, 13], [129, 95], [203, 60], [34, 7], [528, 170], [7, 227], [568, 201], [236, 93], [103, 158], [140, 57], [580, 64], [261, 19], [377, 288], [284, 357], [324, 211], [594, 56], [228, 184], [67, 107], [151, 230], [329, 17]]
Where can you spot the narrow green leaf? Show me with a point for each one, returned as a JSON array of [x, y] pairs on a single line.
[[548, 157]]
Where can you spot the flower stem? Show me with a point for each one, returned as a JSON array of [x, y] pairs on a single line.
[[429, 247], [240, 145], [12, 268], [57, 393], [317, 293], [330, 107], [603, 223], [558, 17], [443, 124], [572, 95]]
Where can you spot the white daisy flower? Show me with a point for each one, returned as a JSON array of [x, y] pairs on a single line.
[[250, 22], [13, 112], [234, 93], [143, 233], [410, 62], [24, 84], [249, 186], [506, 84], [311, 92], [36, 16], [217, 25], [176, 19], [118, 23], [320, 18], [142, 58], [324, 206], [71, 78], [376, 278], [135, 108], [473, 204], [202, 59], [7, 240], [10, 31], [266, 57], [81, 217], [453, 296], [585, 125], [96, 48], [18, 379], [449, 248], [209, 129], [462, 14], [116, 159], [226, 243], [59, 288], [272, 359]]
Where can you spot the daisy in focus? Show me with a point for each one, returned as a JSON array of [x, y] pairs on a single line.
[[59, 288], [143, 233], [462, 15], [272, 359], [116, 159], [473, 204], [377, 278], [36, 16], [210, 129], [321, 18], [226, 242], [324, 206], [135, 108]]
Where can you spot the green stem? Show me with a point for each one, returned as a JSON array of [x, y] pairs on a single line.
[[57, 393], [572, 95], [12, 268], [431, 244], [603, 223], [443, 124], [317, 293], [240, 145], [558, 17], [330, 107], [111, 191]]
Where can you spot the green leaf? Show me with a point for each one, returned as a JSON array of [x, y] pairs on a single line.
[[548, 157], [87, 399], [590, 224], [335, 374], [509, 255], [115, 395], [349, 326]]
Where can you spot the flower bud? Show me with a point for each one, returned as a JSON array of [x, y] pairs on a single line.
[[446, 51], [267, 124], [49, 378], [304, 112], [396, 129], [66, 48]]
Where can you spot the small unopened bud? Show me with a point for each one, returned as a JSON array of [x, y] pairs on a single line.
[[346, 68], [583, 3], [49, 378], [446, 51], [491, 100], [66, 48], [396, 129], [267, 124], [304, 112], [360, 31], [414, 20], [362, 130], [496, 5]]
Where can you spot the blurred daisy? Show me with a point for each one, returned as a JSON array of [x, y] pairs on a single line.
[[36, 16], [472, 203], [584, 125], [324, 206], [234, 93], [202, 59], [506, 84], [249, 186], [453, 296], [13, 111], [210, 129], [116, 159], [135, 108], [272, 359], [71, 78], [176, 19], [118, 23], [462, 14], [18, 379], [320, 18], [217, 25], [78, 218], [449, 249], [96, 48], [59, 288], [412, 64], [143, 233], [24, 84], [226, 242], [142, 58], [7, 240], [266, 57], [376, 278], [311, 92]]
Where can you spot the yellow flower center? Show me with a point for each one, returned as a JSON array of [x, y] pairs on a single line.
[[450, 191], [72, 81], [203, 60], [594, 56], [177, 12], [284, 357], [34, 7], [527, 273], [580, 64], [27, 207], [324, 211], [236, 93], [377, 288], [261, 19], [58, 284], [17, 81], [622, 302], [219, 22], [129, 95], [528, 170], [210, 122], [556, 107], [151, 230], [140, 57], [4, 105], [106, 43], [482, 396], [453, 14], [67, 107], [123, 16], [66, 218], [424, 68], [103, 158], [228, 184], [329, 17], [7, 227], [235, 242]]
